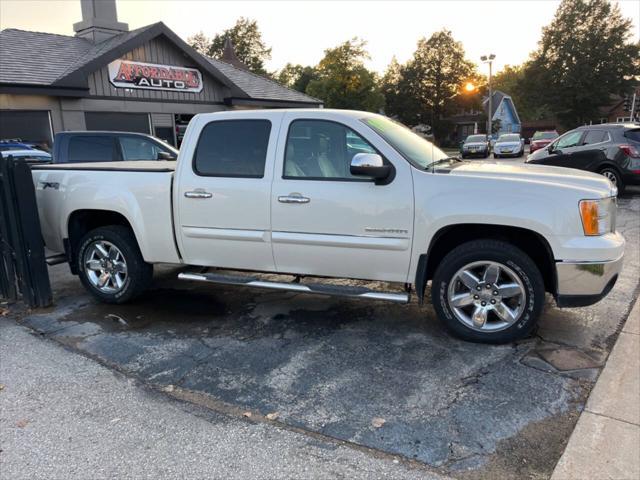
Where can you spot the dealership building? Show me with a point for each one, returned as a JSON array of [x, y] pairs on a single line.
[[109, 78]]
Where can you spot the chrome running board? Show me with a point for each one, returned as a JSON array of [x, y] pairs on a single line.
[[315, 288]]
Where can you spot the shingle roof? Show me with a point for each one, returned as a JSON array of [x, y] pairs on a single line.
[[260, 87], [46, 59], [100, 48], [36, 58]]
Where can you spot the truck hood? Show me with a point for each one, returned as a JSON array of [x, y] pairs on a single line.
[[563, 177]]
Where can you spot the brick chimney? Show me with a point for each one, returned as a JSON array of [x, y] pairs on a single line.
[[99, 21]]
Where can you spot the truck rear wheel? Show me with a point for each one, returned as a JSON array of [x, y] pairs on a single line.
[[488, 291], [111, 266]]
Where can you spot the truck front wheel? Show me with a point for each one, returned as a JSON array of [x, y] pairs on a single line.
[[111, 266], [488, 291]]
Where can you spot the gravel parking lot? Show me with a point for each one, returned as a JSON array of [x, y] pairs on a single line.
[[383, 380]]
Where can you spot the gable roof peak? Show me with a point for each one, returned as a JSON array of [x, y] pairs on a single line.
[[229, 55]]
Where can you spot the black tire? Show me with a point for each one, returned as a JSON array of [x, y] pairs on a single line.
[[495, 155], [139, 272], [493, 251], [619, 183]]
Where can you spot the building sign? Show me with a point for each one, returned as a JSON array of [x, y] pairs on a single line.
[[149, 76]]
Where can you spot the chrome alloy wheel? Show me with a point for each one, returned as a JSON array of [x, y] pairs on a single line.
[[486, 296], [105, 266], [611, 176]]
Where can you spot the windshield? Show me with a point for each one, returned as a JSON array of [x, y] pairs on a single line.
[[545, 135], [476, 138], [418, 151], [509, 138]]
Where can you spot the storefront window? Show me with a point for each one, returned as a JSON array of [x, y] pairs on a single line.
[[30, 127]]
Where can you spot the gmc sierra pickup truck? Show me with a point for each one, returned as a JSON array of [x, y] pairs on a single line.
[[339, 194]]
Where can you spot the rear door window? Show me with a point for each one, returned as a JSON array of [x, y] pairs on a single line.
[[595, 136], [139, 148], [89, 148], [233, 148]]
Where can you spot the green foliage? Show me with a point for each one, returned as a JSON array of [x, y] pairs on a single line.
[[428, 87], [247, 42], [512, 81], [398, 98], [343, 81], [585, 55], [296, 77], [200, 42]]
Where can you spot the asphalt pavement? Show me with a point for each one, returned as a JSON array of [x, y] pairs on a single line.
[[65, 416]]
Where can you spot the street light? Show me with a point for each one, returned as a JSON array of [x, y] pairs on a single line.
[[489, 59], [469, 87]]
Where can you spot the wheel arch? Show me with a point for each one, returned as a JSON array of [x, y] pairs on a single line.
[[451, 236], [82, 221]]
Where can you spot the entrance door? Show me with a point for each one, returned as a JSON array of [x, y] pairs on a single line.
[[223, 189], [328, 222]]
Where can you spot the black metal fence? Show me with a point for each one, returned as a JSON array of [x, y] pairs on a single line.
[[23, 268]]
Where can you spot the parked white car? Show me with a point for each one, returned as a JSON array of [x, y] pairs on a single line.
[[509, 145], [339, 194]]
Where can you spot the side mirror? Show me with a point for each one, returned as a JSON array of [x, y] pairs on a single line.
[[165, 156], [369, 165]]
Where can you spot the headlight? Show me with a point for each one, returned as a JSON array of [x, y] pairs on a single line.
[[598, 216]]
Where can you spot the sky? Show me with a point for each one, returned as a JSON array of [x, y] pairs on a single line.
[[300, 31]]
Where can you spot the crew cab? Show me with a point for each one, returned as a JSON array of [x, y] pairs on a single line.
[[106, 146], [316, 195]]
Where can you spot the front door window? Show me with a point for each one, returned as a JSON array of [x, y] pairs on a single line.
[[318, 149]]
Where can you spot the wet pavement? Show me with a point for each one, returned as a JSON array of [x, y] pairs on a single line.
[[378, 376]]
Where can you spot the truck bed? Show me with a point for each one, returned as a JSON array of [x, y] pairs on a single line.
[[140, 191]]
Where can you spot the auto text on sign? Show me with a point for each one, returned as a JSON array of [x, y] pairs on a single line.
[[150, 76]]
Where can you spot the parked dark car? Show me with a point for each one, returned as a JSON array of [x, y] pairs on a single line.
[[31, 155], [476, 146], [13, 145], [610, 149], [541, 140], [92, 146]]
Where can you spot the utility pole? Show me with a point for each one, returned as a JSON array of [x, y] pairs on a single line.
[[633, 106], [489, 59]]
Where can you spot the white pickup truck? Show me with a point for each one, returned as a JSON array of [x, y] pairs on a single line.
[[339, 194]]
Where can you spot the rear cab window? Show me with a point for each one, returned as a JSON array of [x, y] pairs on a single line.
[[92, 148], [139, 148], [232, 148]]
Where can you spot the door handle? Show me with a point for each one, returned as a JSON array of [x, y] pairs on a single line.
[[293, 198], [198, 193]]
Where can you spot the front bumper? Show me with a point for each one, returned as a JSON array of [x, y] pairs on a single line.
[[585, 283]]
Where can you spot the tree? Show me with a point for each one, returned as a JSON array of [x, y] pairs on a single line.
[[296, 77], [247, 42], [512, 81], [435, 75], [585, 55], [200, 42], [399, 102], [344, 82]]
